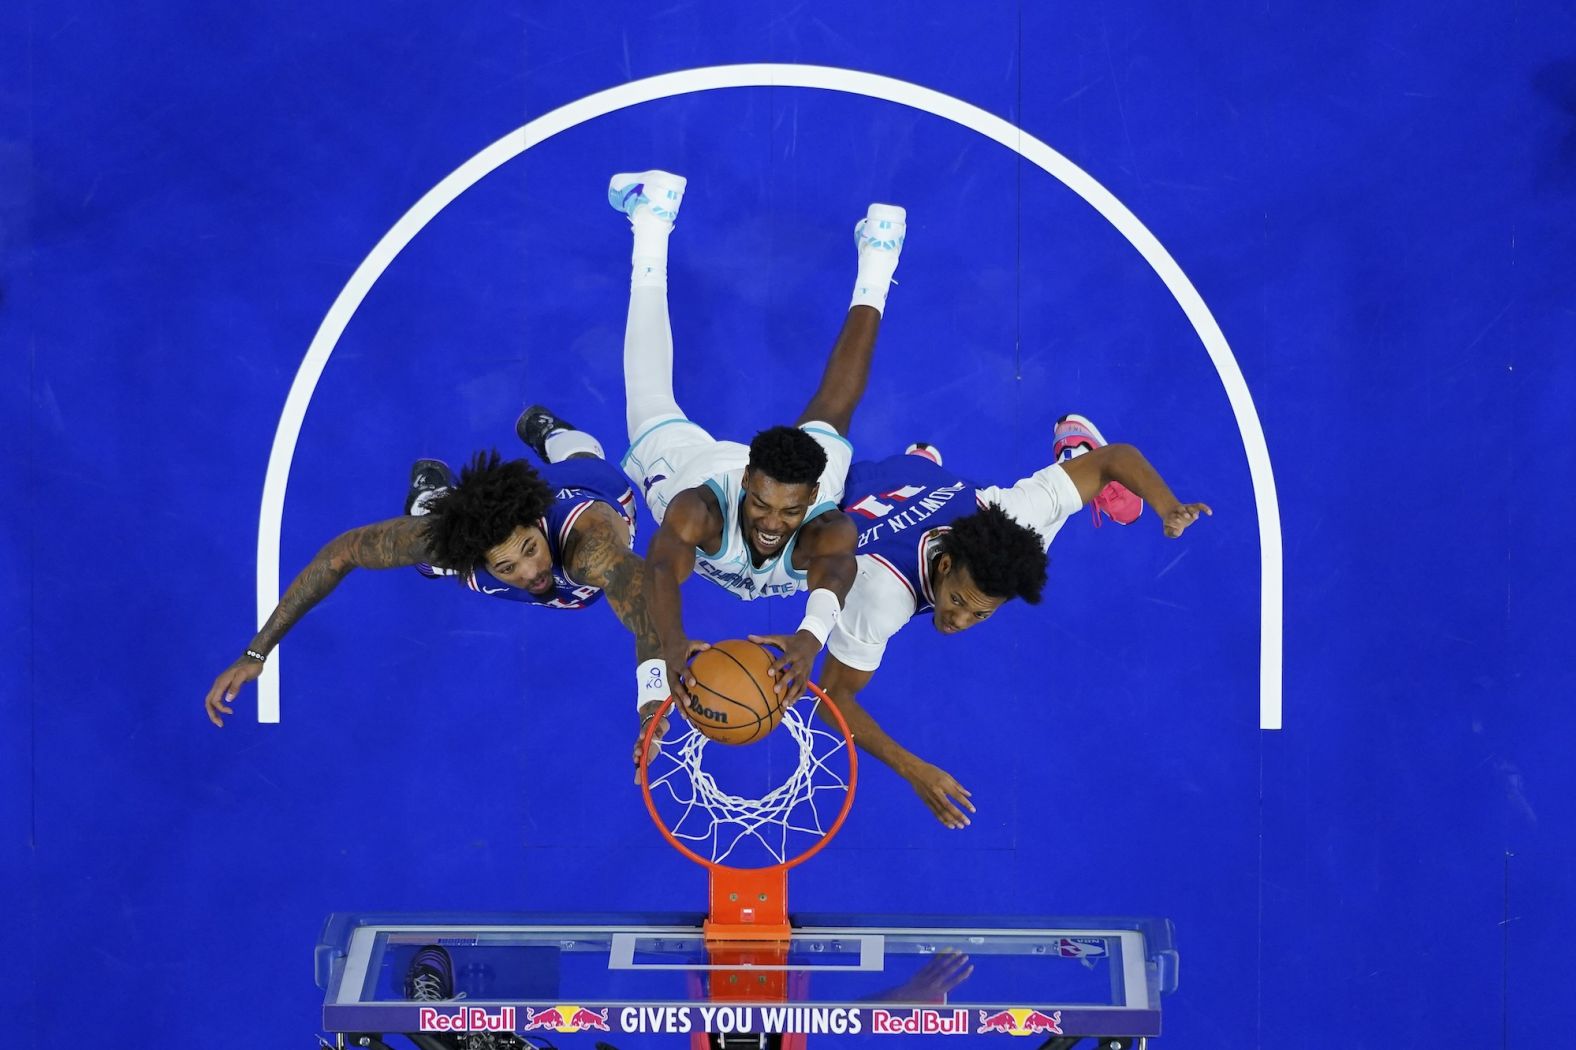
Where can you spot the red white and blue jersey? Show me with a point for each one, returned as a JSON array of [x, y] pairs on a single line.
[[578, 484], [902, 506]]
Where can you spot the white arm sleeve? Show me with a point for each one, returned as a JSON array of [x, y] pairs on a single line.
[[1043, 501], [878, 605]]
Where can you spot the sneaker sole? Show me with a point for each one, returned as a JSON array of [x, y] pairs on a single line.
[[887, 213], [1083, 421], [656, 177]]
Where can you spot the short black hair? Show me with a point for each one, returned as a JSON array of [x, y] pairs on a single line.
[[1004, 559], [788, 456], [493, 498]]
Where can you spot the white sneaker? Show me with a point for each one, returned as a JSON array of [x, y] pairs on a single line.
[[660, 192], [882, 230]]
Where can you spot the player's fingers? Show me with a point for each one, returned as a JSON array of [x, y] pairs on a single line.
[[949, 814], [786, 683]]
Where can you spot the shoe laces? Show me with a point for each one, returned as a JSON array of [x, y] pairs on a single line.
[[427, 988]]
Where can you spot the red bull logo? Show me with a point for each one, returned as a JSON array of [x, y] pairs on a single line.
[[465, 1019], [565, 1019], [1020, 1021]]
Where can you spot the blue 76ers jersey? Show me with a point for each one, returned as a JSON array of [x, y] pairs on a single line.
[[577, 483], [899, 505]]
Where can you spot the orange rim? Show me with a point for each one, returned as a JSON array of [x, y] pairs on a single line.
[[842, 814]]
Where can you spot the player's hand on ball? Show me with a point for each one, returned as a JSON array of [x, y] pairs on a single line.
[[642, 751], [939, 790], [1176, 521], [792, 669], [680, 680], [227, 685]]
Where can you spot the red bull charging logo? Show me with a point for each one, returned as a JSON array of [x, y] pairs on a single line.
[[1021, 1021], [565, 1019]]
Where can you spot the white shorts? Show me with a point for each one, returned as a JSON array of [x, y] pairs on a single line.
[[672, 454]]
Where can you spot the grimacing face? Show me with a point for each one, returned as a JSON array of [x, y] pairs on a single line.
[[959, 604], [523, 560], [772, 512]]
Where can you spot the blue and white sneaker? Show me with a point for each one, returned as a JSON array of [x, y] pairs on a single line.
[[882, 230], [660, 192]]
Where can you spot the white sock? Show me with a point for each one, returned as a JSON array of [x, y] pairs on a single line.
[[875, 278], [561, 444], [649, 260]]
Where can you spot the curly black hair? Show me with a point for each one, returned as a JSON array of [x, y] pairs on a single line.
[[493, 498], [1004, 559], [788, 456]]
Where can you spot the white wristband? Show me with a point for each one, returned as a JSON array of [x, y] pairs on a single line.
[[651, 683], [821, 611]]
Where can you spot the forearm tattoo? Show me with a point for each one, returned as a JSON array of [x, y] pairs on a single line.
[[385, 545], [598, 556]]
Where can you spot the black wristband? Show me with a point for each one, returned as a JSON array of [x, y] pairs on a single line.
[[255, 655]]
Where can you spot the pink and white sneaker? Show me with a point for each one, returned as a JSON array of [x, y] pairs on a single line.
[[1075, 435], [924, 451]]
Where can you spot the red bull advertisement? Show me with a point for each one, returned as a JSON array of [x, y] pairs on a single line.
[[1021, 1021], [919, 1022], [565, 1019], [467, 1019], [753, 1018]]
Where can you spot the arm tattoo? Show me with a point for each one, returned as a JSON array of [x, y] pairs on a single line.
[[385, 545], [599, 556]]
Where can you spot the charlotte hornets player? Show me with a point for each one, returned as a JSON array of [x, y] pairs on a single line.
[[558, 538], [758, 520], [932, 543]]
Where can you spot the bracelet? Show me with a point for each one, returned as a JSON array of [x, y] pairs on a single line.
[[255, 655], [651, 683], [821, 611]]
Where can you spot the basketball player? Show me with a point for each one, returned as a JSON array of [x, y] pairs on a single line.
[[758, 520], [933, 543], [558, 538]]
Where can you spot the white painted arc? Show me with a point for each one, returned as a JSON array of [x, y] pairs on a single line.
[[689, 81]]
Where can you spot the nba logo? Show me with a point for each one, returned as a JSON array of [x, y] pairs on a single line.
[[1080, 947]]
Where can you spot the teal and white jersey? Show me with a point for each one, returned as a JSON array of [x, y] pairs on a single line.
[[674, 454], [731, 567]]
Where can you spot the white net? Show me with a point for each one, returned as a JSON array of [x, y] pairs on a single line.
[[784, 821]]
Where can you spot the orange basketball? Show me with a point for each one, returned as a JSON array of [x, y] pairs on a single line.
[[734, 700]]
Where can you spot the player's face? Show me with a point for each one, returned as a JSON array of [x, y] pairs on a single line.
[[523, 561], [959, 604], [772, 512]]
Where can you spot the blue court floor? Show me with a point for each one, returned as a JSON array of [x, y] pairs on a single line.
[[1374, 210]]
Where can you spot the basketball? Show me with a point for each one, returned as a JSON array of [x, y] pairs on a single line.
[[734, 700]]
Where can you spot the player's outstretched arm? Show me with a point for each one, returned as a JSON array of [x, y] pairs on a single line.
[[1092, 471], [598, 555], [385, 545], [828, 541], [946, 798], [693, 519]]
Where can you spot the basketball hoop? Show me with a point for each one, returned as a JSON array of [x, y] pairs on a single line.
[[749, 903]]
